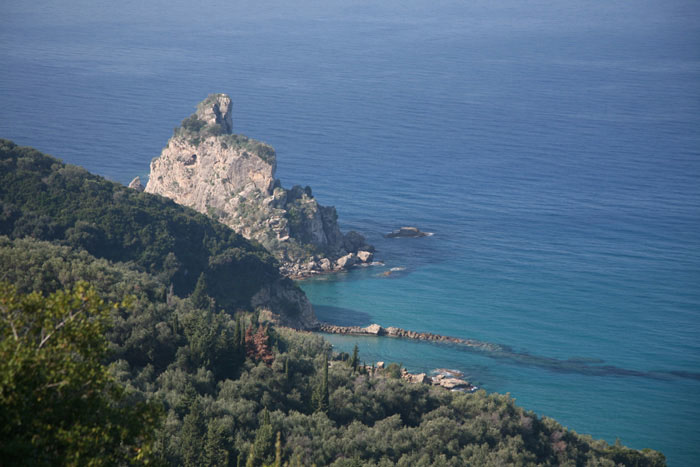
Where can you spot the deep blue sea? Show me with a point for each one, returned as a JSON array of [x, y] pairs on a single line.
[[552, 147]]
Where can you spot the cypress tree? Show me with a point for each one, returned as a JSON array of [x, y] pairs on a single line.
[[237, 333], [355, 358], [199, 297], [238, 343], [320, 397], [241, 338], [278, 450], [262, 446], [251, 457]]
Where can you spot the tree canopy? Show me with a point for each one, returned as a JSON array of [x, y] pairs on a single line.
[[43, 198], [60, 404]]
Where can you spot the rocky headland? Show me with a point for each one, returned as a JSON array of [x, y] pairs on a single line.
[[231, 178]]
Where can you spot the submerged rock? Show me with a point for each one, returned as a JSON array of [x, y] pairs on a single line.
[[232, 179], [408, 232]]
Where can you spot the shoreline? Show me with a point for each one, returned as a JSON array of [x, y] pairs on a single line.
[[447, 379], [311, 273]]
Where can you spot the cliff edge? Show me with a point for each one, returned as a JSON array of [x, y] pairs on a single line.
[[231, 178]]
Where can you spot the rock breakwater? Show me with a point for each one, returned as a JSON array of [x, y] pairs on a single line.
[[391, 331]]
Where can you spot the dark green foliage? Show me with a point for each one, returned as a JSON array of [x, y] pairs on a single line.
[[217, 444], [218, 414], [264, 439], [320, 396], [195, 130], [260, 149], [192, 124], [48, 200], [192, 436], [154, 330], [59, 403], [393, 370], [199, 297], [354, 360]]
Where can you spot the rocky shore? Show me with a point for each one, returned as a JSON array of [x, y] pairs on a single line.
[[448, 379], [391, 331]]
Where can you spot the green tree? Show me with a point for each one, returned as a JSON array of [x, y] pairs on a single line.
[[393, 370], [192, 435], [278, 450], [199, 297], [355, 360], [264, 439], [320, 396], [60, 404]]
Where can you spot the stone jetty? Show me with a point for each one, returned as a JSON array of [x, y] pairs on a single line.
[[391, 331]]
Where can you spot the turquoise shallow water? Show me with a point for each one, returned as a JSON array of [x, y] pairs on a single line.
[[553, 149]]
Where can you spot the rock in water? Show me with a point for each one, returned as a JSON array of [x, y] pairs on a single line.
[[364, 256], [374, 329], [409, 232], [232, 179]]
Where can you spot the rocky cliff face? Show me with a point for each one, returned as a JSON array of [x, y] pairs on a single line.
[[232, 178]]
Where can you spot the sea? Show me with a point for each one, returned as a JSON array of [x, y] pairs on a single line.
[[552, 148]]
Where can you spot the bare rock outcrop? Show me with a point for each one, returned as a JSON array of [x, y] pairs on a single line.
[[286, 305], [136, 184], [374, 329], [232, 179]]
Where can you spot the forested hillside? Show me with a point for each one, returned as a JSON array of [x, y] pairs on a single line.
[[43, 198], [187, 380]]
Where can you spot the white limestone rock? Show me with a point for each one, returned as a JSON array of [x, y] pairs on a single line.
[[346, 261], [232, 179], [325, 264], [365, 256], [136, 184], [374, 329]]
